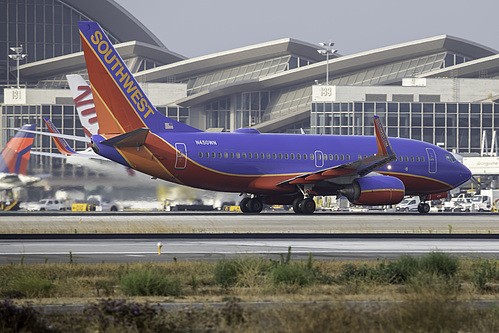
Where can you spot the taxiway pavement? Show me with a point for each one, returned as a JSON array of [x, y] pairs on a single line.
[[42, 223]]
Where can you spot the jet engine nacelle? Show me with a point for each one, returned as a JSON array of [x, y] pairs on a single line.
[[375, 190]]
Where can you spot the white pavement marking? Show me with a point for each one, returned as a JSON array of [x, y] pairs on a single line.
[[140, 247]]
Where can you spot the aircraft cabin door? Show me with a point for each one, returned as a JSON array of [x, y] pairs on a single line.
[[432, 160], [319, 160], [181, 158]]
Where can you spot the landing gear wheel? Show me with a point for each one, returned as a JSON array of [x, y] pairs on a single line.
[[307, 206], [296, 205], [244, 205], [251, 205], [423, 208], [255, 205]]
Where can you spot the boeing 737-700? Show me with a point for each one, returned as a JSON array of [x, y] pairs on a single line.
[[266, 168]]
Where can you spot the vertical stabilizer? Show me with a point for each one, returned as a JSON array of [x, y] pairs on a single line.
[[120, 103], [15, 155], [61, 144], [84, 102]]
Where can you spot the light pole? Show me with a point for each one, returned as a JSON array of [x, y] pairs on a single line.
[[327, 50], [18, 56]]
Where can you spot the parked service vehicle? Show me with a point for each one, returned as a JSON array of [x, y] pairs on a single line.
[[480, 203], [408, 205], [49, 205], [462, 205], [10, 205], [82, 207], [486, 201], [437, 206], [450, 205], [103, 205]]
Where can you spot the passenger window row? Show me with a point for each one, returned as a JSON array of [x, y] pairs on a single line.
[[411, 158], [293, 156], [268, 156]]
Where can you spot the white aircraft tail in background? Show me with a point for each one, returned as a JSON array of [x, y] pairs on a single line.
[[84, 101]]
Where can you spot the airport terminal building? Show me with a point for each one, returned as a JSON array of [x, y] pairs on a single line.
[[443, 90]]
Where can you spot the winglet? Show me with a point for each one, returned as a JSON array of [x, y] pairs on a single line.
[[384, 146], [61, 144]]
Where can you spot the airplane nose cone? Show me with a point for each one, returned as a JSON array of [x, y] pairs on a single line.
[[464, 173]]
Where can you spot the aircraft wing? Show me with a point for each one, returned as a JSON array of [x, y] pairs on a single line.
[[357, 168]]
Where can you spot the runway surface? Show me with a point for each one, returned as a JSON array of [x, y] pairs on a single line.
[[369, 247]]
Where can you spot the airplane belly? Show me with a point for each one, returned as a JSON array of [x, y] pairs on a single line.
[[198, 176], [415, 184]]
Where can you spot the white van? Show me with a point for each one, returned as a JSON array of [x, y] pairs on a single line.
[[408, 205]]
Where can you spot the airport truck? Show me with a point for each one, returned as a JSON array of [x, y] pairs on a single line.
[[487, 200], [50, 205]]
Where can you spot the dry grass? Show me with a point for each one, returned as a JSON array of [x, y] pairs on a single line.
[[68, 283], [426, 301]]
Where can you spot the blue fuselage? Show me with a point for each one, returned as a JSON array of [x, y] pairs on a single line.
[[205, 159]]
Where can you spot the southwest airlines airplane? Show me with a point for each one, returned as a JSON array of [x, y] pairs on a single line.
[[266, 168]]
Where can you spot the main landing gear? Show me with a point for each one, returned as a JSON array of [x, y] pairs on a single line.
[[251, 205], [305, 205]]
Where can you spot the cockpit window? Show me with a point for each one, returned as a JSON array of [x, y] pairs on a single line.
[[450, 158]]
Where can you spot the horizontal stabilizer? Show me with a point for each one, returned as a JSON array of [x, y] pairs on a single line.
[[134, 138], [87, 155], [63, 136]]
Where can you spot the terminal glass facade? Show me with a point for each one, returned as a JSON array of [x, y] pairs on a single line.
[[45, 28], [244, 109], [452, 126]]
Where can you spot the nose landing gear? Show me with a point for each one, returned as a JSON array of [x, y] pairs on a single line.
[[423, 207]]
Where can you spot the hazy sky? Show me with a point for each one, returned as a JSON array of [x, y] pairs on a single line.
[[199, 27]]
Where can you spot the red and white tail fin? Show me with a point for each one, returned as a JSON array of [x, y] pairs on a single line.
[[15, 155], [84, 101]]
